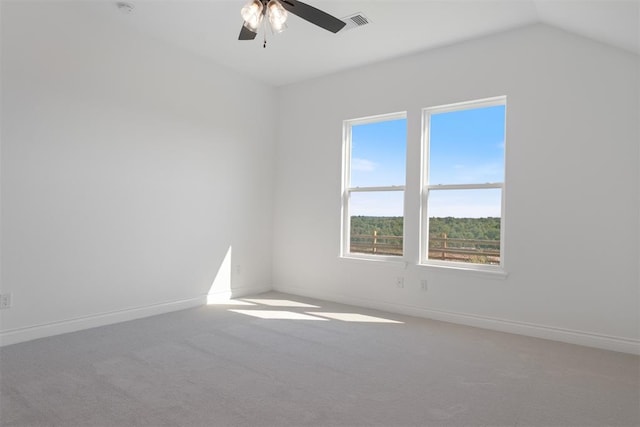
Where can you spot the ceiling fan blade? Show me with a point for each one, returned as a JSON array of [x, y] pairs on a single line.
[[246, 34], [313, 15]]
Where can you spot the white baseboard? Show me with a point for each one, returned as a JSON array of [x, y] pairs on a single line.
[[214, 297], [245, 291], [14, 336], [606, 342], [625, 345]]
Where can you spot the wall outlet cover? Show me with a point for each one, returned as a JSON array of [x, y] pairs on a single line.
[[5, 301]]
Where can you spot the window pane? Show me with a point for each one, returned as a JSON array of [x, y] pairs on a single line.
[[378, 153], [464, 225], [376, 222], [467, 146]]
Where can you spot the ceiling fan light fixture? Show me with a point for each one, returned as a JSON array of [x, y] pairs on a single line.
[[277, 16], [252, 15], [257, 12]]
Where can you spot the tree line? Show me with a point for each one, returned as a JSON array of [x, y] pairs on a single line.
[[454, 228]]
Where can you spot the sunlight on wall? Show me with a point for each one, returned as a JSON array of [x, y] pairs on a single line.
[[220, 290]]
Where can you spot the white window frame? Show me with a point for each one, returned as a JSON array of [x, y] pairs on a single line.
[[347, 190], [426, 188]]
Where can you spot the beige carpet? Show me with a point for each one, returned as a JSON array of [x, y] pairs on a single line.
[[280, 360]]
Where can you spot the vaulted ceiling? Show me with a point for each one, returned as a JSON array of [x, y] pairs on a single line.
[[210, 28]]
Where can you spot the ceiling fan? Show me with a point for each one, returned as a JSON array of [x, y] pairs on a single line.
[[275, 11]]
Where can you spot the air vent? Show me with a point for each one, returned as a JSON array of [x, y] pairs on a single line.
[[354, 21]]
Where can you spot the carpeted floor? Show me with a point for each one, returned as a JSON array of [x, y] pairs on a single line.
[[280, 360]]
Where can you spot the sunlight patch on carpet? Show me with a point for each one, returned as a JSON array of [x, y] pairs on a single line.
[[277, 314], [354, 317], [279, 303]]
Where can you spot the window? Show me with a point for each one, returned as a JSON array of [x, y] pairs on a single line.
[[373, 187], [463, 184]]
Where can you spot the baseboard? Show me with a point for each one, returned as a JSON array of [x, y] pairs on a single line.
[[245, 291], [606, 342], [214, 297], [14, 336]]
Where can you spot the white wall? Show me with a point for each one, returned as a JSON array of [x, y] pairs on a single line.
[[571, 186], [128, 171]]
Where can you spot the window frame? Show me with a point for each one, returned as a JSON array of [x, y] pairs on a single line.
[[347, 190], [426, 188]]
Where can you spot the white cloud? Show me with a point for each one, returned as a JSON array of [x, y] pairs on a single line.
[[362, 165]]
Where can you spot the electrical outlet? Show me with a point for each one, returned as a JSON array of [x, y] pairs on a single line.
[[5, 301], [423, 285], [400, 282]]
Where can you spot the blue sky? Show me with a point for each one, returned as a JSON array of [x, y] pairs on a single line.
[[378, 153], [466, 147]]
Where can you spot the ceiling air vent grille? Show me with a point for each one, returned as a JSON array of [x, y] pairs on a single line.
[[354, 21]]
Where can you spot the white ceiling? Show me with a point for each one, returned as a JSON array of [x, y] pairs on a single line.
[[210, 28]]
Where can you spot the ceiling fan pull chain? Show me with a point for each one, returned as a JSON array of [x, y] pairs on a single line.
[[264, 30], [264, 33]]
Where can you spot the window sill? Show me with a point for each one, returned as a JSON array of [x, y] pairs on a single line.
[[394, 260], [487, 273]]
